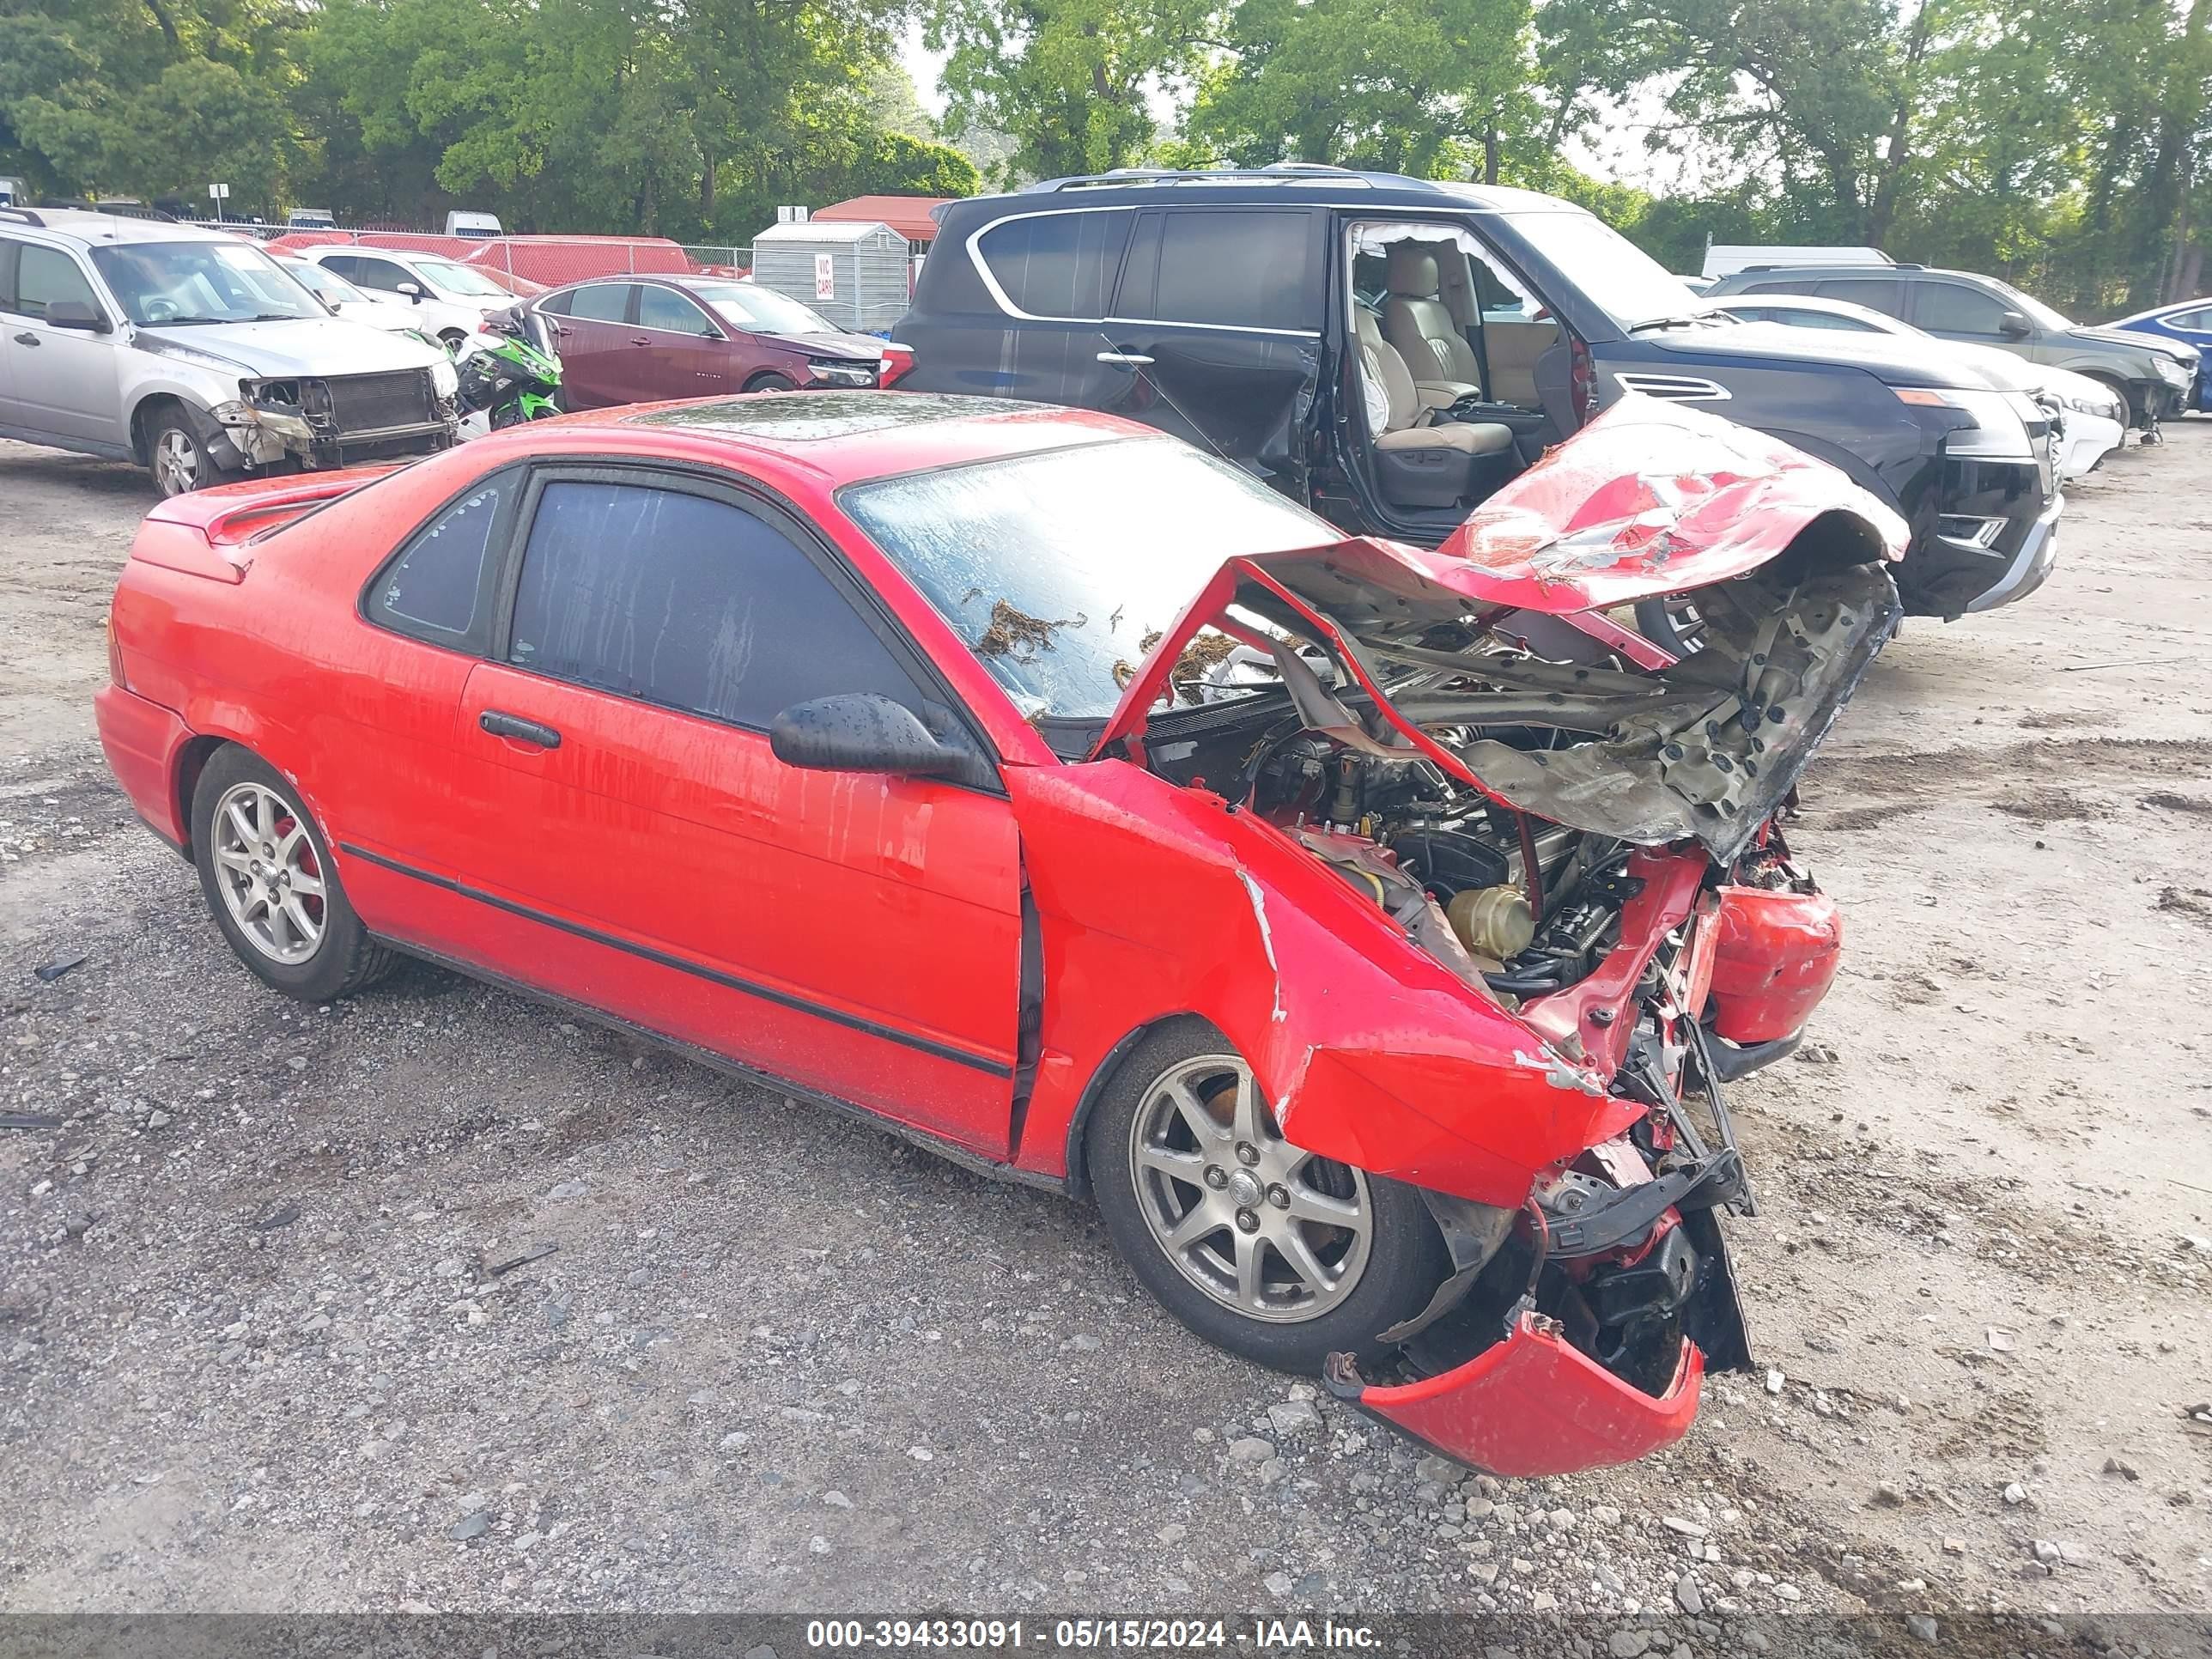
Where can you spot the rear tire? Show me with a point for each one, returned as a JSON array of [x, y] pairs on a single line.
[[271, 884], [1155, 1172]]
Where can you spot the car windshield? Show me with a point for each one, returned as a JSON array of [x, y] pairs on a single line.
[[1622, 280], [461, 279], [323, 282], [762, 310], [159, 282], [1061, 570]]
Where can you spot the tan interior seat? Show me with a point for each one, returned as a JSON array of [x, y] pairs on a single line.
[[1418, 322], [1424, 464]]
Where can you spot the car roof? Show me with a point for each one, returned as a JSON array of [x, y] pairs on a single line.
[[1281, 184], [844, 437], [89, 227]]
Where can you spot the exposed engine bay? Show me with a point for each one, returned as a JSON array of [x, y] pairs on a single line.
[[1578, 835]]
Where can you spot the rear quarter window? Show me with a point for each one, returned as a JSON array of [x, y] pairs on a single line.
[[1058, 264], [439, 587]]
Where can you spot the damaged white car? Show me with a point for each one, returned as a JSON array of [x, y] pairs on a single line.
[[193, 353]]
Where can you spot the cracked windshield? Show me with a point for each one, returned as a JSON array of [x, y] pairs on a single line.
[[1063, 570]]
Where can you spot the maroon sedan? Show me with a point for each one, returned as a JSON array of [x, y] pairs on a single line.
[[641, 339]]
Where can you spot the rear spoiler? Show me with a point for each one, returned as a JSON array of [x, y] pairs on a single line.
[[213, 532]]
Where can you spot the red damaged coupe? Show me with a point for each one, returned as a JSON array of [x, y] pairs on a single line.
[[1370, 932]]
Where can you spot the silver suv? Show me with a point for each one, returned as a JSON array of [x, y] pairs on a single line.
[[193, 353]]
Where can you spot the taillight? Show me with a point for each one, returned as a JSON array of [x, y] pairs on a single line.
[[1581, 380], [115, 656], [895, 363]]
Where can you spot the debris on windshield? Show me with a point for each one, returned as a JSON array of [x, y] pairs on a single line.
[[1206, 653], [1124, 671], [1011, 630]]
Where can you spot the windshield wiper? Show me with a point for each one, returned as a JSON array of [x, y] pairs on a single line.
[[1669, 322]]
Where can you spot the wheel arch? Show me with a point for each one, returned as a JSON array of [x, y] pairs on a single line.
[[185, 782], [1103, 1076]]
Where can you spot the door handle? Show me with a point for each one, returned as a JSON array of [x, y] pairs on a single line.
[[27, 338], [639, 339], [1131, 358], [501, 725]]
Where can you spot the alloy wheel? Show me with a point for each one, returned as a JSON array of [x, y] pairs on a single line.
[[176, 461], [1264, 1228], [266, 869]]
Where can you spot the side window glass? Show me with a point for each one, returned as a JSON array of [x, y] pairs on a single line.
[[1058, 264], [1247, 269], [2194, 322], [45, 277], [557, 304], [1778, 288], [438, 588], [1874, 292], [601, 302], [8, 252], [344, 264], [662, 308], [1950, 309], [380, 273], [689, 603]]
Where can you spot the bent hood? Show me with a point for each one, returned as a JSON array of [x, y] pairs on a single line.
[[2180, 351], [860, 348], [1650, 499], [295, 345]]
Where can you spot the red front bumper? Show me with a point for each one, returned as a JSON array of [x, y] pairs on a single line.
[[1530, 1406], [142, 740]]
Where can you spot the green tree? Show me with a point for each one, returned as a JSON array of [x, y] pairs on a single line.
[[1067, 81], [1406, 86]]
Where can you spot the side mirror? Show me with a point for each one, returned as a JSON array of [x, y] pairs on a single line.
[[413, 291], [2014, 325], [75, 314], [860, 731]]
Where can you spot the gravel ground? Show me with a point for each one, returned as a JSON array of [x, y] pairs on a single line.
[[279, 1328]]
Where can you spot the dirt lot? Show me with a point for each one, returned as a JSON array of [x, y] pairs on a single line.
[[252, 1354]]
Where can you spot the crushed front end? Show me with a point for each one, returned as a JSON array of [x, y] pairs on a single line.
[[339, 420], [1585, 832]]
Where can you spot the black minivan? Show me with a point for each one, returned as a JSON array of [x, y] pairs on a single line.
[[1390, 350]]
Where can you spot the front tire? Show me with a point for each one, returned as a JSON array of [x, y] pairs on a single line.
[[271, 885], [1261, 1247], [771, 382], [1673, 623], [176, 460]]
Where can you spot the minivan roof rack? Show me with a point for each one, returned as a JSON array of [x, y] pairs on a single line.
[[22, 216], [1275, 173]]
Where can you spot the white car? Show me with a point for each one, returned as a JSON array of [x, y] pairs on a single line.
[[390, 312], [2093, 420], [451, 299], [191, 352]]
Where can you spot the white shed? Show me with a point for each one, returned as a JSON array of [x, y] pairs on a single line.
[[854, 275]]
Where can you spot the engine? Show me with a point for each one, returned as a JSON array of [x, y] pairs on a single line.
[[1419, 843]]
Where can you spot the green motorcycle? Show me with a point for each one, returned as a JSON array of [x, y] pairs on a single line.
[[511, 370]]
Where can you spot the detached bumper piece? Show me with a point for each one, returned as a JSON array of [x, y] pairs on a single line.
[[1529, 1406]]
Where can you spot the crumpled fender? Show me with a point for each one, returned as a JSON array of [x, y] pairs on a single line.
[[1155, 902]]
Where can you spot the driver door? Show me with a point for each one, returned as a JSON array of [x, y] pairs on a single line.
[[641, 849], [59, 383]]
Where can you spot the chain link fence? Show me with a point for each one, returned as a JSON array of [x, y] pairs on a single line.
[[735, 256]]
